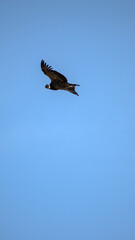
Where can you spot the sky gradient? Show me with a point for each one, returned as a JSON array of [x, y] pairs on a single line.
[[67, 163]]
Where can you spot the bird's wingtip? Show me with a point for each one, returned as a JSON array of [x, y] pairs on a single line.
[[42, 63]]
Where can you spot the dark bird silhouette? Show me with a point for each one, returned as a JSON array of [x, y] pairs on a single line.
[[58, 81]]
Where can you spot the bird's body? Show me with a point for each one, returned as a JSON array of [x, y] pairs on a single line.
[[58, 81]]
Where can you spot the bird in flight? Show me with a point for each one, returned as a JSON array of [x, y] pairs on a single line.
[[58, 81]]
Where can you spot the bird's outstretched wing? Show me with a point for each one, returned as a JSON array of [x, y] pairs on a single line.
[[53, 75]]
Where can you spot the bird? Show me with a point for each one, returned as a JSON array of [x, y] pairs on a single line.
[[58, 81]]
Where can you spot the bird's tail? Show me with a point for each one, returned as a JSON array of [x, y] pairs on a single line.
[[75, 85], [71, 89]]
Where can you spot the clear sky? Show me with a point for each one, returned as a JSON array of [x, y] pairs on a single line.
[[67, 163]]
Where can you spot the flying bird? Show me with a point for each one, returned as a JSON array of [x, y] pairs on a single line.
[[58, 81]]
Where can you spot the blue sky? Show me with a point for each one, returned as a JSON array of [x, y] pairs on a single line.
[[67, 162]]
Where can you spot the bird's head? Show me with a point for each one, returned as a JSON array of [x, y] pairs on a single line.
[[47, 86]]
